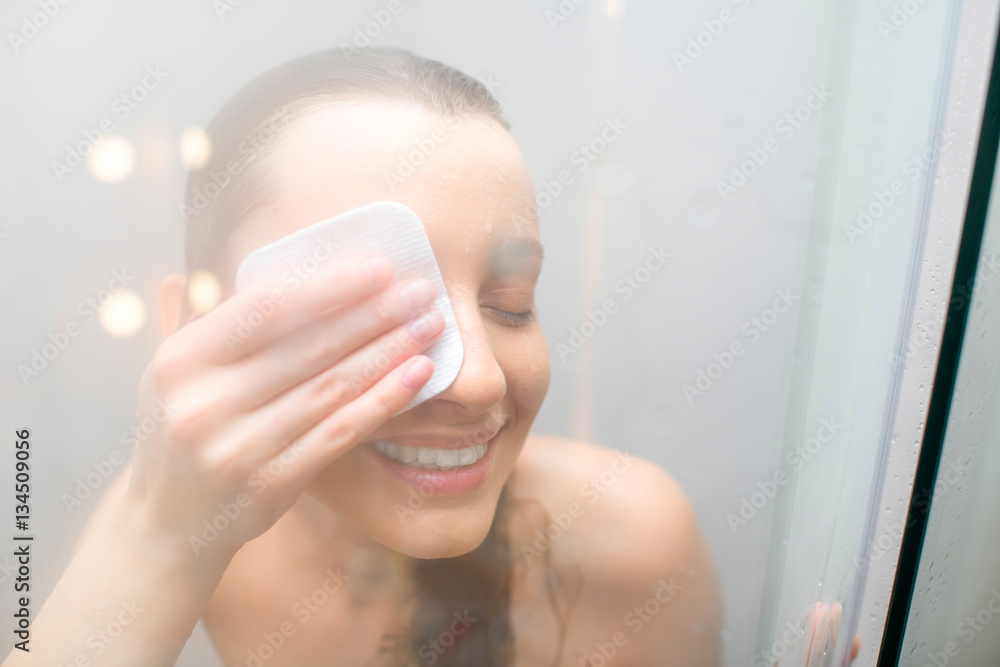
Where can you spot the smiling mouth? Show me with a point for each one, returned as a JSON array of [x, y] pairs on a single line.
[[432, 458]]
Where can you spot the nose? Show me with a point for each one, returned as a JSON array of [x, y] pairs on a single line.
[[481, 383]]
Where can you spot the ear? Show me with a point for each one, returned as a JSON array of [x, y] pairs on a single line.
[[172, 294]]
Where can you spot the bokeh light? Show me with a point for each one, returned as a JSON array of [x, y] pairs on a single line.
[[204, 291], [111, 159], [196, 147], [124, 314]]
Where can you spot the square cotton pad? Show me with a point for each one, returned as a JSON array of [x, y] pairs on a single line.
[[385, 228]]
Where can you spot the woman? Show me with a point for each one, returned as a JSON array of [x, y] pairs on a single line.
[[333, 549]]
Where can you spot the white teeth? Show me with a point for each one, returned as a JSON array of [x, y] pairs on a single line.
[[430, 458], [467, 455]]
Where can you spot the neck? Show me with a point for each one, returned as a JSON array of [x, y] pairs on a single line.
[[372, 570]]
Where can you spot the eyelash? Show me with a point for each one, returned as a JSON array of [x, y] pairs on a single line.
[[513, 319]]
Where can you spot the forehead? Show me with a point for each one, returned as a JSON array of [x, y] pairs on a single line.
[[465, 178]]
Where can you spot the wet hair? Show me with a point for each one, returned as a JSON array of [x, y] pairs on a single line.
[[245, 134]]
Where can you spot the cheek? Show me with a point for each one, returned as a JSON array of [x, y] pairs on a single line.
[[341, 483], [353, 487], [524, 358]]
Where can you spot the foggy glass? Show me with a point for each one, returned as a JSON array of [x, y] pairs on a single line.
[[733, 200], [956, 597]]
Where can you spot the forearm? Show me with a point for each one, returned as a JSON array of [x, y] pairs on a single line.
[[125, 599]]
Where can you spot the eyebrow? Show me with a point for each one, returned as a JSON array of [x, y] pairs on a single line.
[[516, 257], [519, 247]]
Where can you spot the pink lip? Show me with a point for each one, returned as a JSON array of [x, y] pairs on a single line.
[[441, 482]]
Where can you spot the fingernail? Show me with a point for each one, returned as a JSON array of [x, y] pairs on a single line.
[[418, 294], [417, 374], [378, 269], [427, 326]]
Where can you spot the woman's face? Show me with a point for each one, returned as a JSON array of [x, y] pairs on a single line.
[[473, 193]]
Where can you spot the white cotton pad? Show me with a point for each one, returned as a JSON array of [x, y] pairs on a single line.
[[385, 228]]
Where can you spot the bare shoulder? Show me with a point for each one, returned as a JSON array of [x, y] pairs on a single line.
[[621, 504], [649, 583]]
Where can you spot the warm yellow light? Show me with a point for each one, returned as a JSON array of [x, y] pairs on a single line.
[[204, 291], [124, 314], [111, 159], [616, 8], [196, 147]]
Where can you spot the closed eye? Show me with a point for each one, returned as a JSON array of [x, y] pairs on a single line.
[[510, 319]]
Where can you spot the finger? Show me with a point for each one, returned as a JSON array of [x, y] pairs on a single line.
[[332, 437], [299, 409], [320, 344], [268, 310]]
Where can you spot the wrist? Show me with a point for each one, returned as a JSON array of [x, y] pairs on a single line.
[[164, 553]]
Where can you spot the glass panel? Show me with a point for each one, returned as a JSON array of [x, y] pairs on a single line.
[[871, 213], [954, 615]]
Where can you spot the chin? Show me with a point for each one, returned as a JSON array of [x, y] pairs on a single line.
[[425, 532], [445, 534]]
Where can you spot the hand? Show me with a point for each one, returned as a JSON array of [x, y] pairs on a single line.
[[251, 421], [855, 648]]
